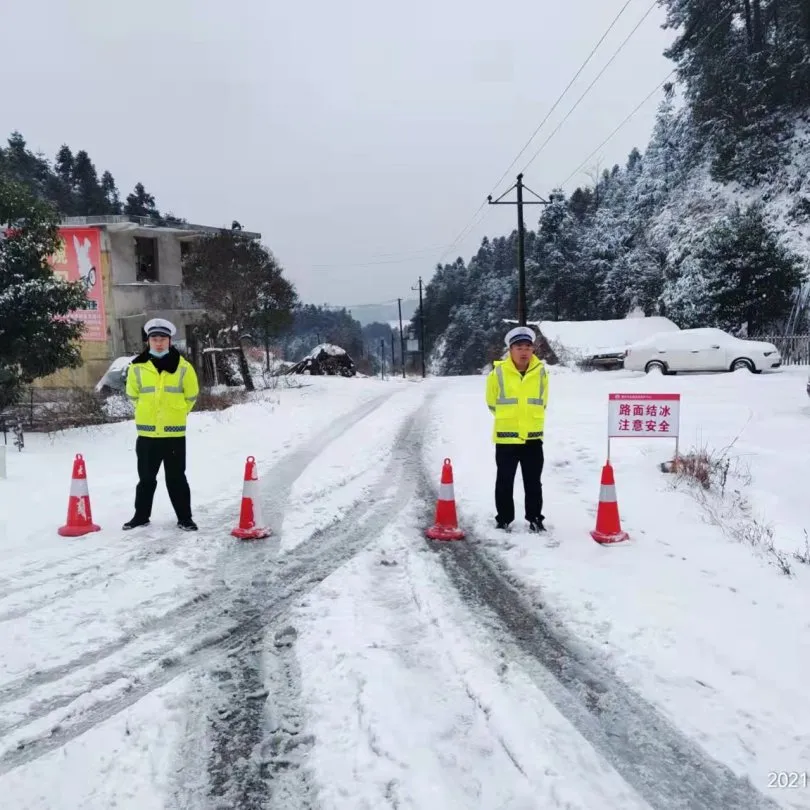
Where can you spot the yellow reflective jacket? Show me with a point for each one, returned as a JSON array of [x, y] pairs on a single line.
[[518, 402], [162, 399]]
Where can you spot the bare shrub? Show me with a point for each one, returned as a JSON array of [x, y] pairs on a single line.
[[76, 408], [275, 381], [208, 400], [707, 469], [716, 478], [803, 555]]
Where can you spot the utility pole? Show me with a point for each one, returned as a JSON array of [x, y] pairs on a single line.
[[401, 338], [382, 358], [421, 326], [521, 237]]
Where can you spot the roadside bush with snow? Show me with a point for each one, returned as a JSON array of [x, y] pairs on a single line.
[[717, 480], [325, 359]]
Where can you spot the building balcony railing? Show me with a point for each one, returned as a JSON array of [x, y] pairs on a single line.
[[133, 299], [118, 221]]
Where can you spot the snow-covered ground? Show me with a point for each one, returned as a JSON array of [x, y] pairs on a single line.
[[347, 662]]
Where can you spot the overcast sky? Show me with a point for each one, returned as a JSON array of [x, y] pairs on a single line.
[[358, 136]]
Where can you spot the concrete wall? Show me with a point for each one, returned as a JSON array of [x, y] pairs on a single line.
[[96, 356], [129, 304], [135, 302], [122, 247]]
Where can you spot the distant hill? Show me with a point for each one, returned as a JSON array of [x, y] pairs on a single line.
[[383, 313]]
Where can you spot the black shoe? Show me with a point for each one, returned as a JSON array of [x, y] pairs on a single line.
[[134, 523], [502, 525], [187, 525], [536, 526]]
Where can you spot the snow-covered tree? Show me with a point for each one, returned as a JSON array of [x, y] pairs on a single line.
[[37, 334], [739, 276]]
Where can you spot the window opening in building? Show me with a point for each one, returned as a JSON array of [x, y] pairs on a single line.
[[146, 259]]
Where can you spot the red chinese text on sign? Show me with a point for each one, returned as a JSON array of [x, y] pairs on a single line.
[[644, 415]]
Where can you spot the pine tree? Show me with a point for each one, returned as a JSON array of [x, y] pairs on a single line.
[[737, 276], [22, 166], [90, 199], [141, 204], [110, 192], [753, 276], [37, 336], [560, 283], [60, 186], [746, 65], [64, 165]]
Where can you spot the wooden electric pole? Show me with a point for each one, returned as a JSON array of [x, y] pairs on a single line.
[[520, 202], [401, 338], [421, 326]]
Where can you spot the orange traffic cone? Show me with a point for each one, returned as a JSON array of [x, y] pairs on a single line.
[[251, 525], [608, 526], [446, 525], [79, 516]]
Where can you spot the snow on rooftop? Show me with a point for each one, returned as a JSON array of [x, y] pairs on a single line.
[[329, 348], [595, 337]]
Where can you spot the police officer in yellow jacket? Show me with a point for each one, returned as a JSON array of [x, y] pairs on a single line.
[[163, 386], [517, 395]]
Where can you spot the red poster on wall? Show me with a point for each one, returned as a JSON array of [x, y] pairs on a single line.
[[79, 259]]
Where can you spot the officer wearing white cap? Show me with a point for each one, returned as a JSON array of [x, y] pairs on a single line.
[[163, 386], [517, 395]]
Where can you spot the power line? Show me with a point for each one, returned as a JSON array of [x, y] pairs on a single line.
[[362, 306], [562, 95], [591, 85], [584, 163], [612, 134], [464, 231], [475, 219], [405, 258], [384, 258]]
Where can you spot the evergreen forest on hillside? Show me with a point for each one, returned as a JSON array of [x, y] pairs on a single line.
[[709, 225]]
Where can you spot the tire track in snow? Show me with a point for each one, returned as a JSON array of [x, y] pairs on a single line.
[[654, 757], [30, 571], [295, 574], [26, 579], [283, 475], [263, 609], [258, 745]]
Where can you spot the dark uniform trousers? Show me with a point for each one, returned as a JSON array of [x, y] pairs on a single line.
[[151, 454], [530, 458]]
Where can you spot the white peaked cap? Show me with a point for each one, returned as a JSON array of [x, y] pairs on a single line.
[[519, 333], [160, 326]]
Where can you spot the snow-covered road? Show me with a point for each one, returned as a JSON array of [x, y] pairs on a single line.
[[346, 662]]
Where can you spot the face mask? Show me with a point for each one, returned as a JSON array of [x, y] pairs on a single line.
[[158, 354]]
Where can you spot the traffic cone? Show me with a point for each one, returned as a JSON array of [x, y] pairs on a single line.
[[608, 526], [446, 524], [79, 515], [251, 525]]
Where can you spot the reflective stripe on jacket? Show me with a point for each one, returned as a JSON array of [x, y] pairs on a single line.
[[518, 402], [162, 399]]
